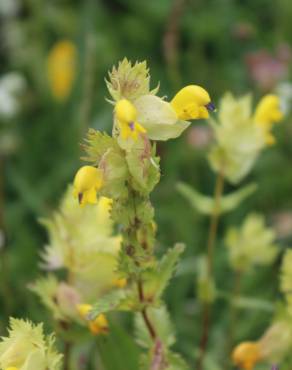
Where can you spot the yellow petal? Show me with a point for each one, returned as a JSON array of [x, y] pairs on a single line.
[[246, 355], [268, 110], [83, 310], [125, 111], [188, 101], [99, 325]]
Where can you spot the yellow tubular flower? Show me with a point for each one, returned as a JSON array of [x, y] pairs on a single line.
[[267, 113], [88, 180], [246, 354], [97, 326], [192, 102], [120, 283], [126, 115], [62, 69]]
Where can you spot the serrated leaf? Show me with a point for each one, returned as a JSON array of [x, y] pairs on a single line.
[[97, 144], [156, 280], [117, 300], [159, 318], [205, 204], [176, 362]]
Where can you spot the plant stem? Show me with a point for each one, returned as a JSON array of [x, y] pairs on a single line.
[[219, 186], [67, 355], [145, 316], [233, 309]]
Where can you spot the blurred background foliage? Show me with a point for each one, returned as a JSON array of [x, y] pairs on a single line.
[[222, 45]]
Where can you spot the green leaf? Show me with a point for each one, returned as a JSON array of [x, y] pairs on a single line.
[[205, 204], [143, 166], [156, 280], [113, 348], [117, 300], [97, 144], [248, 303], [176, 362], [206, 289], [160, 320]]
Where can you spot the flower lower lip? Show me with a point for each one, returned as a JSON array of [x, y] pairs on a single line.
[[211, 107]]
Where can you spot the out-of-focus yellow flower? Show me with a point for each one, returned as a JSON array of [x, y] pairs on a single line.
[[267, 113], [192, 102], [88, 180], [120, 283], [97, 326], [246, 355], [11, 368], [62, 69], [126, 115]]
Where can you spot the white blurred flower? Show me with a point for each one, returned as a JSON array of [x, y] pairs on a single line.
[[9, 8], [284, 91], [12, 86]]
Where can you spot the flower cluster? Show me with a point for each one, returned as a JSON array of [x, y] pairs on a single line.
[[241, 134], [276, 342], [124, 167], [251, 245], [27, 348], [81, 242]]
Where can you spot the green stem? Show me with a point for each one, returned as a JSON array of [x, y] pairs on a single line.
[[219, 186], [145, 316], [233, 309], [135, 224]]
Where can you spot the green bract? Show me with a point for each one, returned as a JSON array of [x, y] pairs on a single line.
[[27, 348], [252, 244], [238, 139], [159, 118]]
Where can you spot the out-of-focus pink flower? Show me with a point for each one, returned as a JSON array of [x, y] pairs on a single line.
[[199, 136], [267, 70]]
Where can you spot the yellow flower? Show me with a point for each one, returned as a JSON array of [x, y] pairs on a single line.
[[97, 326], [192, 102], [62, 69], [267, 113], [126, 115], [11, 368], [120, 283], [246, 355], [88, 180]]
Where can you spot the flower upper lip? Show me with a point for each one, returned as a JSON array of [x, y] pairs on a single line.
[[211, 107]]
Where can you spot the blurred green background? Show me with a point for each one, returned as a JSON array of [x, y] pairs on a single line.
[[222, 45]]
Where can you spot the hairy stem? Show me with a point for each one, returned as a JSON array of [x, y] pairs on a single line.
[[219, 186], [145, 316]]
